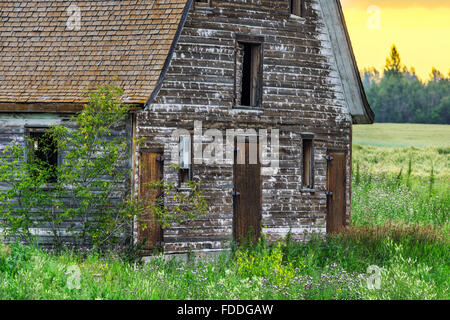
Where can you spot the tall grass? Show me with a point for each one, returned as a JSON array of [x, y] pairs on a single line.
[[401, 230], [418, 162], [414, 264], [399, 224], [383, 199]]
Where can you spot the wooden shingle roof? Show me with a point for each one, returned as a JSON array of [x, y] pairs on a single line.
[[43, 61]]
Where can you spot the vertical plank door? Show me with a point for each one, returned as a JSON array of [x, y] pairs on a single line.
[[149, 230], [336, 184], [247, 193]]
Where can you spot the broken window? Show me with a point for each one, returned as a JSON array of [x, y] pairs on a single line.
[[185, 173], [296, 7], [308, 163], [43, 151], [249, 75]]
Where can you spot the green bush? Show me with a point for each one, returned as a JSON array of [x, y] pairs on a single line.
[[95, 210]]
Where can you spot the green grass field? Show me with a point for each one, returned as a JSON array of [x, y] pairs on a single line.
[[400, 224], [413, 151], [402, 135], [404, 184]]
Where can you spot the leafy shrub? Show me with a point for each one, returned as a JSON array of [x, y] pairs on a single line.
[[187, 204], [95, 210], [87, 198], [268, 265]]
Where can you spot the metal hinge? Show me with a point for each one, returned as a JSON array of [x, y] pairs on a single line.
[[235, 193], [160, 159], [329, 158], [329, 193]]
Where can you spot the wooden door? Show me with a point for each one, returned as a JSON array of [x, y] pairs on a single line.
[[149, 230], [336, 185], [247, 193]]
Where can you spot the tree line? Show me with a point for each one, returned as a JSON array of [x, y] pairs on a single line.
[[399, 96]]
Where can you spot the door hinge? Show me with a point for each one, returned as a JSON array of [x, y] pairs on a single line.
[[329, 193], [160, 159], [235, 193], [329, 158]]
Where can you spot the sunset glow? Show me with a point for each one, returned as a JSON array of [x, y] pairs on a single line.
[[420, 29]]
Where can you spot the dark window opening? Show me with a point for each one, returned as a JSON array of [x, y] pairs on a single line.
[[251, 81], [185, 176], [308, 164], [203, 3], [43, 151], [296, 7]]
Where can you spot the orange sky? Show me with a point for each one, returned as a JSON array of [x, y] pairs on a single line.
[[419, 28]]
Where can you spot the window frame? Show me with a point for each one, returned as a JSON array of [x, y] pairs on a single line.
[[308, 186], [200, 4], [301, 8], [29, 130], [189, 169], [253, 41]]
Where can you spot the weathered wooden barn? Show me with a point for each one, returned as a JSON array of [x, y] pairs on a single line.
[[254, 65]]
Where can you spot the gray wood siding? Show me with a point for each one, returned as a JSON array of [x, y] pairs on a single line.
[[302, 92]]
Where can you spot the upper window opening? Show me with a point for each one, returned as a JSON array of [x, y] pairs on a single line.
[[250, 55], [203, 3], [296, 7], [44, 152]]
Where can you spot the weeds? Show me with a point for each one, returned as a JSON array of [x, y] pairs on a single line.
[[414, 259], [399, 224]]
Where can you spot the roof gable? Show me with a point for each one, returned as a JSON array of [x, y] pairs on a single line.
[[43, 61], [354, 93]]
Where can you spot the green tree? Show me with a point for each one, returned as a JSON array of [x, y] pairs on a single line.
[[88, 195], [25, 193], [370, 76], [393, 65], [92, 174], [436, 75], [400, 96]]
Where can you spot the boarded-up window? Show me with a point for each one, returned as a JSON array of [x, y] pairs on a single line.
[[185, 160], [308, 163], [297, 7], [249, 69], [43, 151]]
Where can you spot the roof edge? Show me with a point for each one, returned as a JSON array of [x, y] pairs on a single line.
[[170, 55], [345, 62], [370, 115], [52, 107]]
